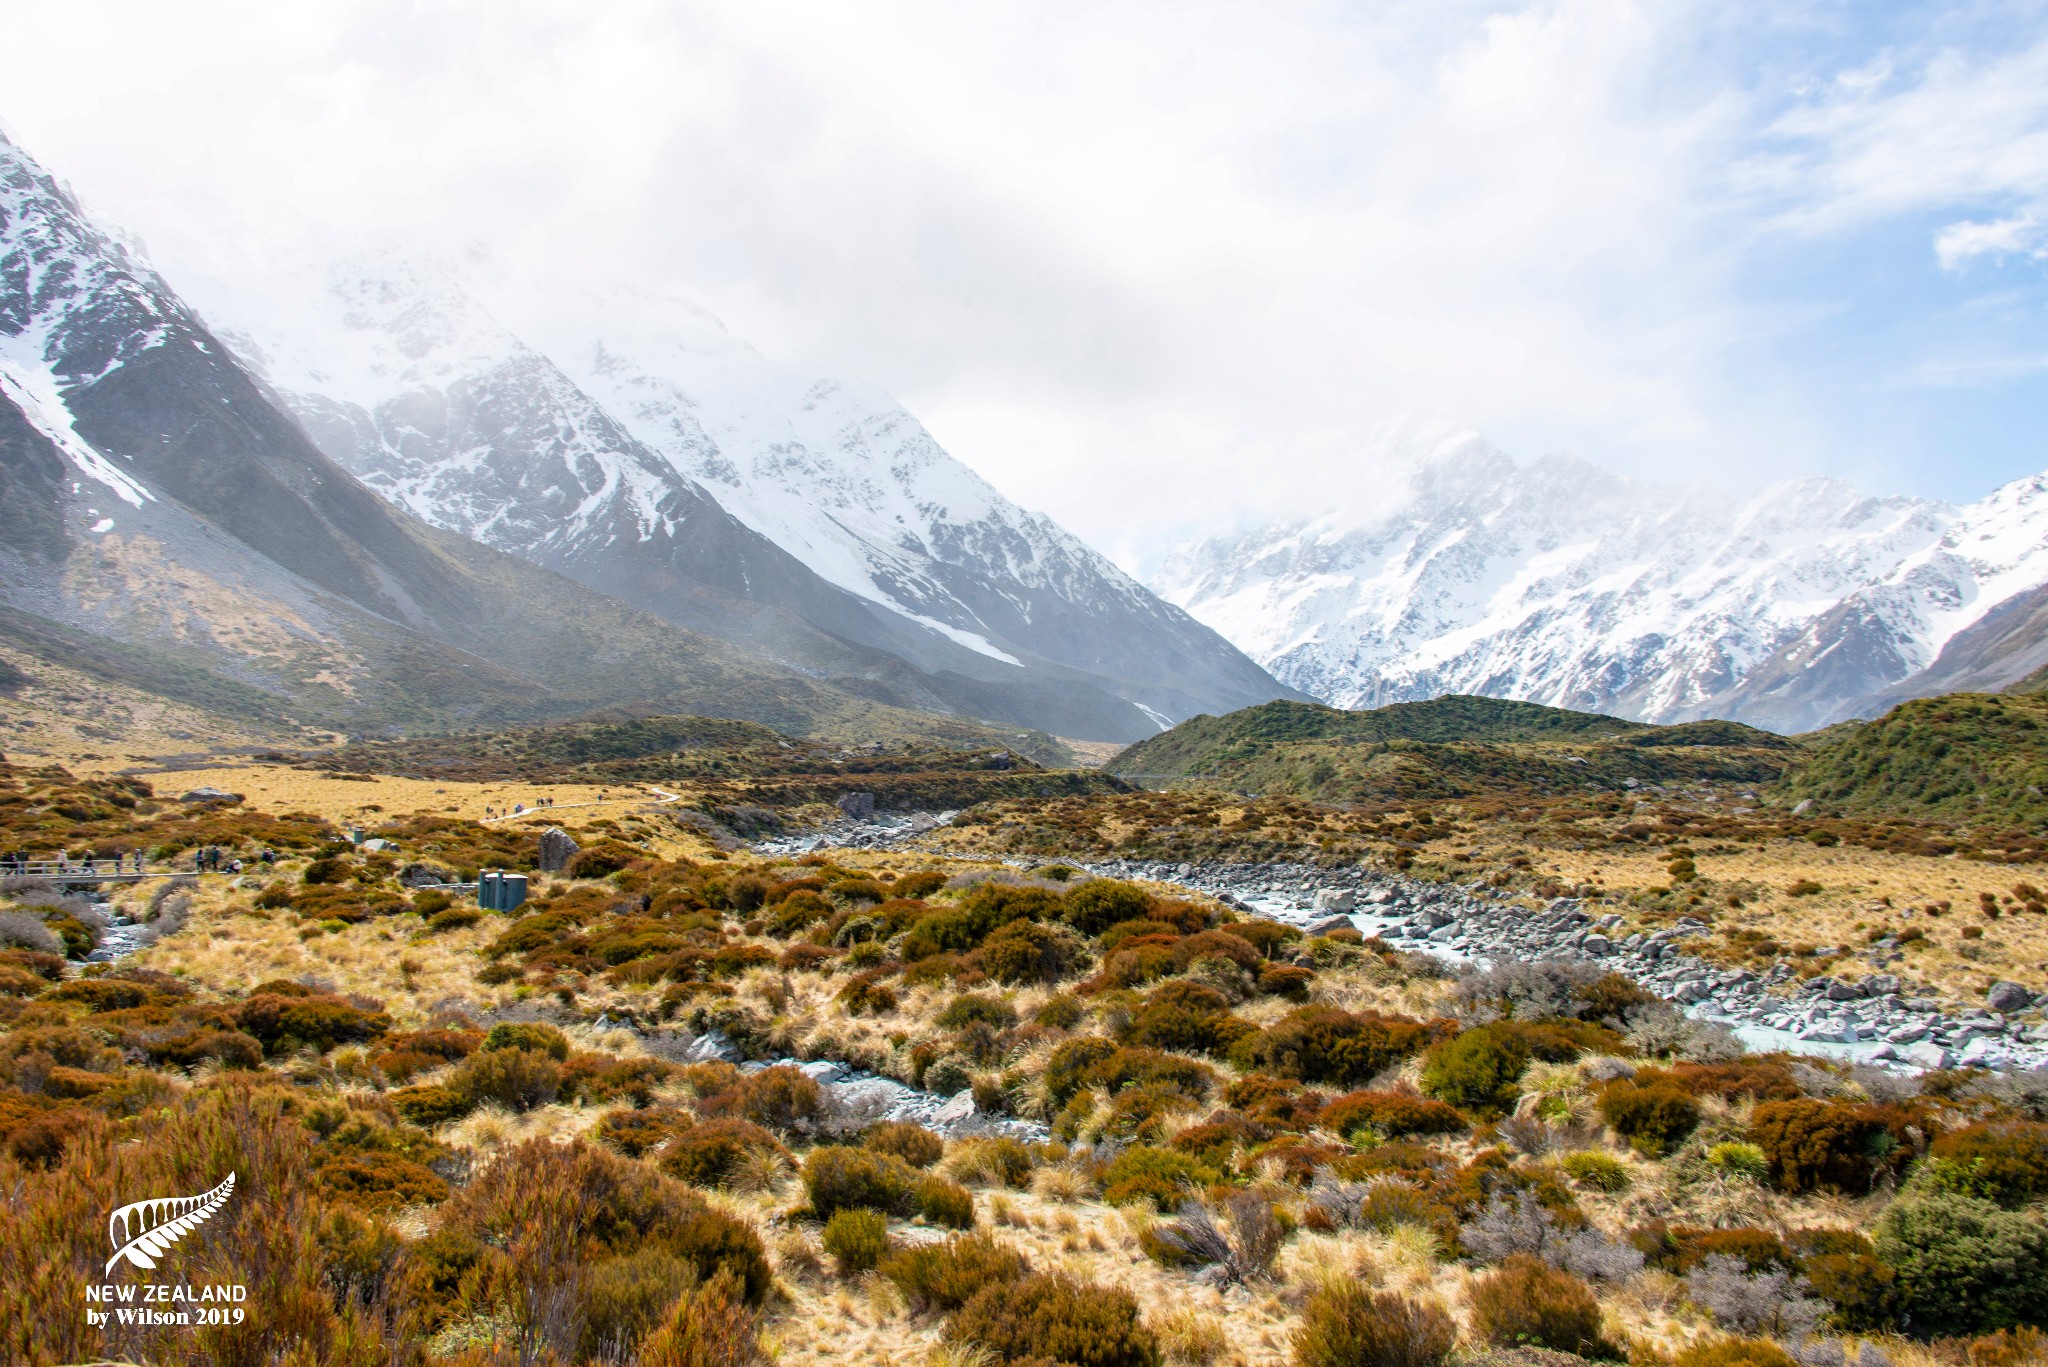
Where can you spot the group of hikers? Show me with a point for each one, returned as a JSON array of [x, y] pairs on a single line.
[[205, 859], [213, 859], [13, 863], [519, 808]]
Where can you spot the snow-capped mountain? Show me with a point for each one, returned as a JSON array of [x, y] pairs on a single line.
[[167, 526], [1559, 583], [634, 444]]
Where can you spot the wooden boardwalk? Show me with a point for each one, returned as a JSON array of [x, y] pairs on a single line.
[[84, 870]]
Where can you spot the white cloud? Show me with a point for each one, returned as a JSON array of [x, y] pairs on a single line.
[[1186, 256], [1957, 244]]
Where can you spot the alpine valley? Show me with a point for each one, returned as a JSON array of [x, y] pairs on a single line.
[[1559, 583]]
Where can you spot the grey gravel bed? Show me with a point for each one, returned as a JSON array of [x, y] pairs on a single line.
[[1876, 1020]]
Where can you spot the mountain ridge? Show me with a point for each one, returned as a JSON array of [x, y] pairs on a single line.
[[642, 450], [1559, 583]]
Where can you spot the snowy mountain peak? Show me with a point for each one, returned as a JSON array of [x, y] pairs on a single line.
[[1556, 582], [633, 442]]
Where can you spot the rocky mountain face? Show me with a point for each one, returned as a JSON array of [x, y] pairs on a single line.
[[640, 449], [165, 521], [1559, 583]]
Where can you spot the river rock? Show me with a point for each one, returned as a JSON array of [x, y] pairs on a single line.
[[2008, 996], [713, 1046], [957, 1110], [1926, 1054], [859, 806], [423, 875], [1336, 899], [1328, 924]]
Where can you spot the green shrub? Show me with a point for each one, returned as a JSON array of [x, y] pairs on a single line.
[[228, 1048], [943, 1202], [1325, 1044], [633, 1131], [1100, 903], [2001, 1161], [838, 1178], [857, 1239], [991, 1160], [1681, 1248], [948, 1275], [1391, 1115], [1736, 1159], [714, 1242], [431, 1105], [1389, 1205], [1286, 980], [1347, 1325], [1814, 1145], [533, 1035], [454, 918], [1190, 1017], [1066, 1072], [1654, 1119], [781, 1098], [1480, 1070], [1053, 1317], [280, 1020], [708, 1153], [519, 1078], [1526, 1303], [1027, 952], [1600, 1171], [1843, 1268], [914, 1144], [1964, 1265], [1061, 1012], [1730, 1352], [972, 1007], [1161, 1176], [948, 1076], [867, 993], [375, 1181], [625, 1298]]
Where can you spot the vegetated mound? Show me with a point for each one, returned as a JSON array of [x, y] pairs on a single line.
[[742, 760], [1454, 746], [1960, 755]]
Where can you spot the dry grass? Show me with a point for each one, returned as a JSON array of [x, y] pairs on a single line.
[[1864, 895]]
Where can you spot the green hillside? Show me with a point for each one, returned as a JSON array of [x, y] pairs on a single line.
[[1961, 755], [1446, 747], [739, 761]]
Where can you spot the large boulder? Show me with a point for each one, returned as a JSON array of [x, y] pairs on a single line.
[[1336, 899], [557, 848], [2008, 996], [859, 806]]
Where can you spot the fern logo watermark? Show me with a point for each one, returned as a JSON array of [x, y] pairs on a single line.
[[141, 1231]]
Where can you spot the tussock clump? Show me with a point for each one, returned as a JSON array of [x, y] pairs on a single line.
[[946, 1276], [1525, 1302], [914, 1144], [857, 1239], [1345, 1324], [838, 1178], [1057, 1318]]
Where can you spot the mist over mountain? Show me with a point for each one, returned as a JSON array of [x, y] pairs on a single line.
[[1560, 583], [641, 449], [396, 511]]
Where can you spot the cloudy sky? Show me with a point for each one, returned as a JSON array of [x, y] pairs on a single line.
[[1158, 268]]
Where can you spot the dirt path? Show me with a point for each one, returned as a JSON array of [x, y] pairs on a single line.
[[663, 798]]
